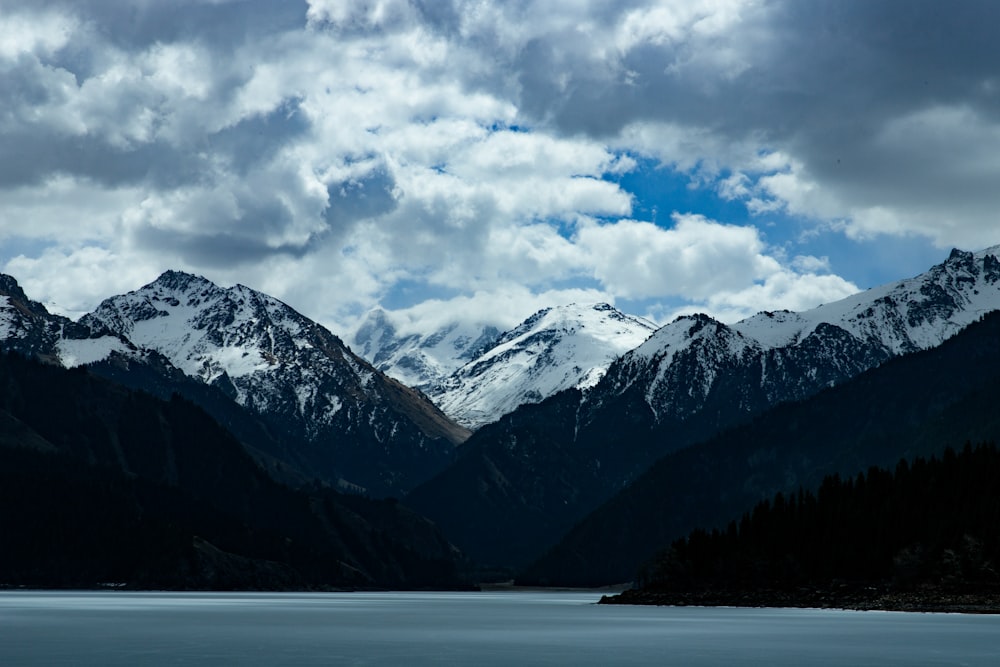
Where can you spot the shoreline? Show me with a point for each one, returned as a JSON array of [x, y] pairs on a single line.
[[922, 600]]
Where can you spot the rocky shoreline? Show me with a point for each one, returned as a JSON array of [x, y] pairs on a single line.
[[928, 599]]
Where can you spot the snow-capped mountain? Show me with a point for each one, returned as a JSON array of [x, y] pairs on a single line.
[[538, 470], [554, 349], [25, 325], [785, 355], [28, 328], [347, 422], [420, 360]]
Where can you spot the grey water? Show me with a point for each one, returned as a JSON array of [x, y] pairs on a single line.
[[493, 628]]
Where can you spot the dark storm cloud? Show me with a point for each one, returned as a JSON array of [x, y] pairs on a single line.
[[135, 25], [357, 199], [31, 153], [258, 138], [30, 158], [217, 250], [877, 102], [810, 64]]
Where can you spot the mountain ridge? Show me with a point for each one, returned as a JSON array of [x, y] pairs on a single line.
[[340, 419], [913, 405], [554, 349], [689, 380]]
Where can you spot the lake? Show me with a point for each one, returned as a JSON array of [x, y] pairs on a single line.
[[492, 628]]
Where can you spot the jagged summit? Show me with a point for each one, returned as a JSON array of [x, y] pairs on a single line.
[[28, 328], [25, 325], [554, 349], [180, 280], [908, 315], [787, 355], [9, 287]]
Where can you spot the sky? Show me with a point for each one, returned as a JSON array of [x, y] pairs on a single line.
[[476, 160]]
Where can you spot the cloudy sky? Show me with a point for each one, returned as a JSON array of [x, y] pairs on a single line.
[[481, 159]]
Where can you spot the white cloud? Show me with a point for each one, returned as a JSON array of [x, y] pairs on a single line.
[[694, 259], [34, 32], [724, 270], [80, 277], [503, 309], [64, 209], [333, 151], [782, 290], [348, 14]]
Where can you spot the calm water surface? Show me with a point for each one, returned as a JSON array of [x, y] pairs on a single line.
[[496, 628]]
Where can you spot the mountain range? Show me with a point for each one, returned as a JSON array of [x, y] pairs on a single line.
[[488, 376], [574, 410], [913, 405], [522, 482], [420, 359]]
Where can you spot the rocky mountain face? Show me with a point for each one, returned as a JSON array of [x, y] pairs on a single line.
[[25, 325], [691, 379], [554, 349], [28, 328], [322, 411]]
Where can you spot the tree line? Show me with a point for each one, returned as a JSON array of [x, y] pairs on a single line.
[[932, 521]]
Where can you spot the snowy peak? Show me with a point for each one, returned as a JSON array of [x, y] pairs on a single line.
[[554, 349], [420, 360], [29, 329], [776, 356], [329, 415], [676, 368], [208, 331], [908, 315], [362, 428], [25, 325]]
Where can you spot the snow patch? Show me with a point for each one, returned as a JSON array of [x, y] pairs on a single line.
[[73, 353]]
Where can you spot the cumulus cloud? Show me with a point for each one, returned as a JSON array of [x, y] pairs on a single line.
[[330, 151], [726, 270], [695, 258], [77, 275]]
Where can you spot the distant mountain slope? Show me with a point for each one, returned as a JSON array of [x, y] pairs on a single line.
[[102, 484], [476, 374], [692, 378], [784, 355], [913, 405], [555, 349]]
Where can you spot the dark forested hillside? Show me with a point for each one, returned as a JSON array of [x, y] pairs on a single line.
[[102, 484], [931, 525], [914, 405]]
